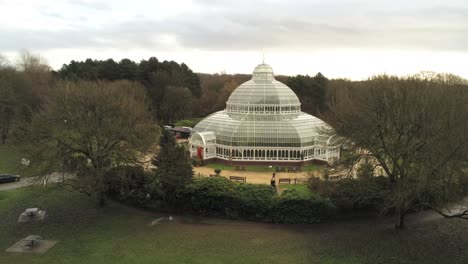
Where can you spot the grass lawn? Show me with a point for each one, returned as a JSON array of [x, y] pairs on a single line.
[[119, 234], [220, 166], [190, 122], [300, 188], [10, 162], [255, 168]]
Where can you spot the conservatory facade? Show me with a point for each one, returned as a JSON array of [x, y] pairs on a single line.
[[263, 124]]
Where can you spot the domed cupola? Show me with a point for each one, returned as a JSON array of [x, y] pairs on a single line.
[[263, 95]]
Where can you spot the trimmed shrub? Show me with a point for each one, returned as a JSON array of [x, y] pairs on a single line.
[[213, 195], [254, 201], [221, 197], [292, 207]]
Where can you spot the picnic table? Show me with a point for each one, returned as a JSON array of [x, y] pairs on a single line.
[[31, 212], [32, 240]]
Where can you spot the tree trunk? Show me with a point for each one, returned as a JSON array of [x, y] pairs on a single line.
[[401, 219], [101, 199], [4, 135]]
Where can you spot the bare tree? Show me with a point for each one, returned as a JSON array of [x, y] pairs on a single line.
[[176, 104], [29, 62], [416, 130], [4, 63], [101, 123]]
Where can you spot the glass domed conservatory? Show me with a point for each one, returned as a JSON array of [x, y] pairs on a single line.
[[262, 124]]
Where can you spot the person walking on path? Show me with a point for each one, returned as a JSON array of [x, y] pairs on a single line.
[[273, 180]]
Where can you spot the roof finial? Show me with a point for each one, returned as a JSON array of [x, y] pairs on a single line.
[[263, 58]]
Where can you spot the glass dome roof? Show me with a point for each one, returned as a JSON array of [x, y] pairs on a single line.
[[264, 130], [263, 112], [263, 94]]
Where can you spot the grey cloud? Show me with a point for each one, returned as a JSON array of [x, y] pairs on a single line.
[[229, 27]]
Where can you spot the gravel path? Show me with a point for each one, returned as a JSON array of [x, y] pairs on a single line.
[[252, 177], [27, 181]]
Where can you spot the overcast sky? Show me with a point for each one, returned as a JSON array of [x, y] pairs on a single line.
[[347, 38]]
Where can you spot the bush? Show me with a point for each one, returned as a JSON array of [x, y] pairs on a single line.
[[130, 184], [254, 201], [196, 162], [213, 195], [217, 171], [220, 197], [322, 187], [367, 194], [292, 207]]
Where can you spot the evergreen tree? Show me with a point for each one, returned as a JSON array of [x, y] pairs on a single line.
[[173, 165]]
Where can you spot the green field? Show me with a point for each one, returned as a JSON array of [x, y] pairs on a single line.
[[256, 168], [119, 234], [189, 122], [300, 188], [10, 162]]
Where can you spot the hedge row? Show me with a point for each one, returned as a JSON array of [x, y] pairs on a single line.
[[220, 197], [217, 196]]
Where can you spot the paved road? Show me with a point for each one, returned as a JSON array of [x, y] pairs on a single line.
[[54, 177]]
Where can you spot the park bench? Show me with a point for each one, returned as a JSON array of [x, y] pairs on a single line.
[[237, 178], [31, 212], [284, 180], [32, 240]]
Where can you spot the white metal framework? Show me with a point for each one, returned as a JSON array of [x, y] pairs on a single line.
[[263, 122]]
